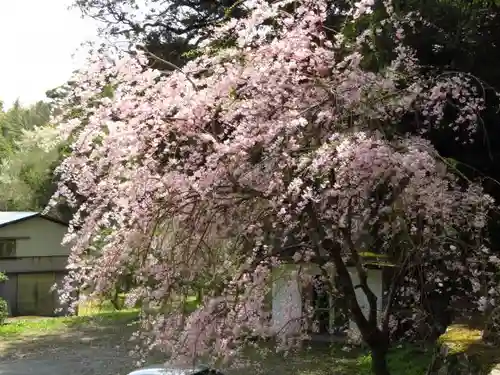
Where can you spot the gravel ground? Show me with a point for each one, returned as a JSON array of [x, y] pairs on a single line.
[[86, 362], [104, 350], [76, 353]]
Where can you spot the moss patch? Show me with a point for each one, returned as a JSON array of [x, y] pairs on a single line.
[[466, 343], [460, 338]]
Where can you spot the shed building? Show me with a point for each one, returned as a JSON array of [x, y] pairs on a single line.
[[34, 260]]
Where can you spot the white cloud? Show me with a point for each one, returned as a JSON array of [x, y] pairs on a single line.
[[37, 41]]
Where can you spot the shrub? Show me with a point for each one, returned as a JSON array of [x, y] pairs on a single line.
[[4, 311]]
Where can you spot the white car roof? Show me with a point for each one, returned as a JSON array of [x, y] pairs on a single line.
[[163, 370]]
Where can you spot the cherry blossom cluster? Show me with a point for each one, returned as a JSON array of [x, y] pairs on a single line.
[[213, 171]]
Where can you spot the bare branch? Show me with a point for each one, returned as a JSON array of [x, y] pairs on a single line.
[[172, 65]]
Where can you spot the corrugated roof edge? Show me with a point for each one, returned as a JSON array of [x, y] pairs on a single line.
[[29, 215]]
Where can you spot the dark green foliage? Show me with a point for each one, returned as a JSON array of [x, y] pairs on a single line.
[[4, 311], [28, 157], [19, 118], [4, 308], [170, 30]]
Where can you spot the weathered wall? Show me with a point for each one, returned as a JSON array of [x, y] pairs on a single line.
[[36, 237], [9, 292], [287, 297], [33, 264], [286, 300], [375, 283]]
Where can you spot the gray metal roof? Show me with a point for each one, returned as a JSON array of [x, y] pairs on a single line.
[[7, 217]]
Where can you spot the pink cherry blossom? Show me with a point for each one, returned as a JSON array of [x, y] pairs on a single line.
[[280, 142]]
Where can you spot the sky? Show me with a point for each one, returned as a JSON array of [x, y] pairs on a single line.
[[37, 41]]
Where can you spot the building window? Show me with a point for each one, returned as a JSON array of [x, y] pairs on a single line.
[[7, 248]]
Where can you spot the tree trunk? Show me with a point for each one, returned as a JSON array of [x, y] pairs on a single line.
[[115, 300], [379, 361], [199, 295]]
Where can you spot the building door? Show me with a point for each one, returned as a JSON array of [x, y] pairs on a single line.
[[330, 311], [33, 294], [322, 302], [8, 291]]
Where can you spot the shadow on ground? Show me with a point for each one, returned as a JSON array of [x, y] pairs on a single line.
[[62, 334], [312, 359]]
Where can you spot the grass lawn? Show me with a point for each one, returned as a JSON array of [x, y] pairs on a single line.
[[88, 316], [320, 359]]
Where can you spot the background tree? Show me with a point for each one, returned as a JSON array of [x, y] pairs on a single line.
[[170, 30], [4, 308], [19, 118], [31, 149], [27, 180]]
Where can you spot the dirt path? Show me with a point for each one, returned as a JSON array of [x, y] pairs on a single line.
[[84, 362], [103, 347], [103, 352]]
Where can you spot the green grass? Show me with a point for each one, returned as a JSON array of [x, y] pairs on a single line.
[[320, 359], [88, 315]]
